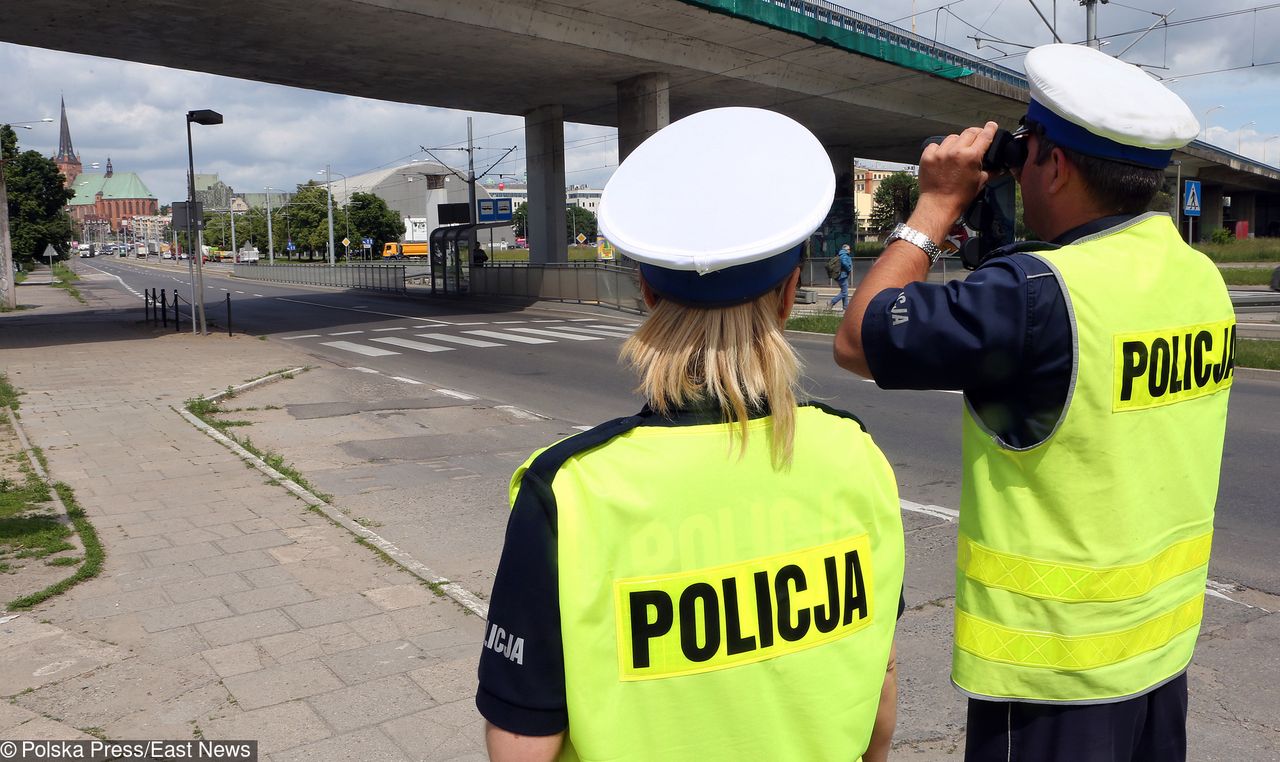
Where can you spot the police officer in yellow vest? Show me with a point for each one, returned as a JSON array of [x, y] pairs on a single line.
[[1096, 367], [719, 576]]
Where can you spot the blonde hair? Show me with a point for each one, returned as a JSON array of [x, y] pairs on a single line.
[[735, 356]]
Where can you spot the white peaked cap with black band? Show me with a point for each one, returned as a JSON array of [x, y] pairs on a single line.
[[1101, 106], [716, 207]]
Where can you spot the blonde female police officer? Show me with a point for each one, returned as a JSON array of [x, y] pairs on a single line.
[[717, 577]]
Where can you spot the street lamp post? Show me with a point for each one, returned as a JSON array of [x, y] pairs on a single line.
[[1264, 146], [206, 117], [328, 186], [8, 284], [1240, 130], [271, 241], [1206, 119]]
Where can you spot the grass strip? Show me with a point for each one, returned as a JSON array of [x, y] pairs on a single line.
[[93, 554], [8, 394], [1247, 250], [1258, 353], [1246, 276], [814, 323], [65, 276]]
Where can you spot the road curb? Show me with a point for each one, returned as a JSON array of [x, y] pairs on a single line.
[[453, 590]]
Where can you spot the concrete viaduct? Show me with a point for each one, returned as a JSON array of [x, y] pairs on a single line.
[[865, 88]]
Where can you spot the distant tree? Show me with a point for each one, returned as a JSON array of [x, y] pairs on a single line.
[[894, 200], [372, 218], [37, 200], [520, 220], [579, 220], [307, 223]]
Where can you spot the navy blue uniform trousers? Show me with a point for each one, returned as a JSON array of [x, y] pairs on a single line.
[[1149, 728]]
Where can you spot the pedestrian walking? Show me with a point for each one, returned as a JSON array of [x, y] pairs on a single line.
[[1096, 365], [719, 576], [845, 260]]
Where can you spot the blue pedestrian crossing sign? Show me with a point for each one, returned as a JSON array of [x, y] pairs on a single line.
[[367, 242], [1191, 199], [291, 247]]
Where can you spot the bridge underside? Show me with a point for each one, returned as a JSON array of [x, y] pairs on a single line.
[[513, 56], [631, 64]]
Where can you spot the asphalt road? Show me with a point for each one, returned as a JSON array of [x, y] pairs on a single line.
[[572, 374]]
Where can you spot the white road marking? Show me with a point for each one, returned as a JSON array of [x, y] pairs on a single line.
[[362, 310], [584, 428], [460, 340], [257, 294], [509, 322], [398, 328], [510, 337], [366, 370], [345, 333], [421, 346], [521, 413], [546, 321], [936, 511], [582, 320], [557, 334], [457, 395], [239, 292], [611, 333], [303, 336], [359, 349], [480, 323], [407, 380]]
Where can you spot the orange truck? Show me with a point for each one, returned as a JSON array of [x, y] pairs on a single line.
[[393, 250]]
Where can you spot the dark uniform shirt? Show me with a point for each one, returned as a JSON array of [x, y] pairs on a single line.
[[528, 696], [1002, 336]]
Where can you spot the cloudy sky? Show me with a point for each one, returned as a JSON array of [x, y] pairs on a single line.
[[282, 136]]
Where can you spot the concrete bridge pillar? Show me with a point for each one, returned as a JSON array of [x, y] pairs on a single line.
[[1210, 218], [1244, 206], [839, 226], [544, 159], [644, 107]]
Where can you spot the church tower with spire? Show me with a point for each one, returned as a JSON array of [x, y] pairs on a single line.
[[67, 160]]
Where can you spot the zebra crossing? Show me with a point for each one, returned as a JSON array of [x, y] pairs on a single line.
[[446, 337]]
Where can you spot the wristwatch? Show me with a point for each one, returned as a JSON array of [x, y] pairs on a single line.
[[917, 239]]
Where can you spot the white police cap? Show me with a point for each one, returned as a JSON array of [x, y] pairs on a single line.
[[715, 206], [1101, 106]]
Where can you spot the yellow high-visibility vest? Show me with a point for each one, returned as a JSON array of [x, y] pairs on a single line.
[[1082, 560], [713, 608]]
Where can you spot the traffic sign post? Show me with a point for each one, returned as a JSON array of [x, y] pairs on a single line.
[[1191, 197]]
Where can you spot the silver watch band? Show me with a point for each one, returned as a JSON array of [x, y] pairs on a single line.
[[917, 239]]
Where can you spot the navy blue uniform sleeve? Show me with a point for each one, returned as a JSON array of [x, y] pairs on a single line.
[[961, 335], [522, 660]]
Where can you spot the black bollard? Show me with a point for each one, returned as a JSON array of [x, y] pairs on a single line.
[[146, 306], [164, 310], [175, 311], [228, 314]]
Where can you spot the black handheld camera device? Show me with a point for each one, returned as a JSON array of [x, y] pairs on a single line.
[[991, 214]]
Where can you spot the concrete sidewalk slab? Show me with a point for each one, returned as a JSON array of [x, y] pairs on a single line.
[[225, 608]]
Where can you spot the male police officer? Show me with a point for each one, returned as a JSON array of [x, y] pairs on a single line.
[[1096, 371]]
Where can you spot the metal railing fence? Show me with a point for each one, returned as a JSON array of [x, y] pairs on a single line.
[[367, 277], [585, 282], [862, 24]]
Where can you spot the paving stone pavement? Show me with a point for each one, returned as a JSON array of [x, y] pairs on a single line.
[[225, 608]]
